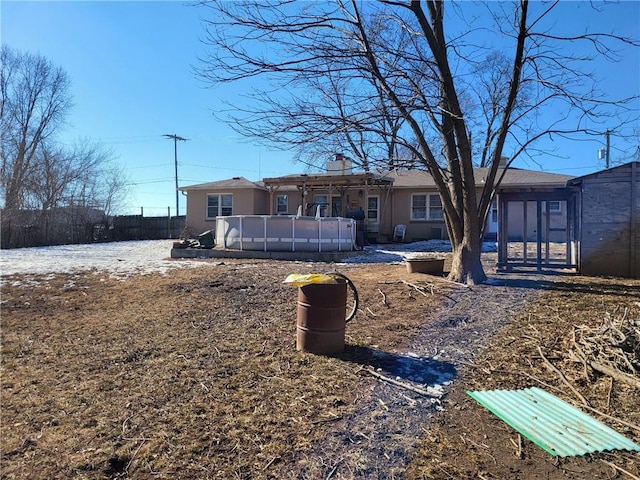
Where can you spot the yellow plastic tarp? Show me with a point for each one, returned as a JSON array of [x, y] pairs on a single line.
[[298, 280]]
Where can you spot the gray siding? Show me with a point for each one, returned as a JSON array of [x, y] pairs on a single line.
[[610, 222]]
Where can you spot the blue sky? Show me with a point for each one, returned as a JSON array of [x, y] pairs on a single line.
[[130, 65], [131, 68]]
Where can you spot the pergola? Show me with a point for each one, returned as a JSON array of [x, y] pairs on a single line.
[[333, 184], [537, 253]]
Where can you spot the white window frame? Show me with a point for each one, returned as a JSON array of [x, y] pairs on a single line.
[[432, 207], [221, 207], [424, 209], [375, 219], [427, 208], [279, 209], [494, 211]]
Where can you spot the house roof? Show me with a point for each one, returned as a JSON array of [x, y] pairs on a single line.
[[514, 177], [234, 183], [578, 180], [326, 179]]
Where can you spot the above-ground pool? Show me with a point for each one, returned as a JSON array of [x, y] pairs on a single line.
[[286, 233]]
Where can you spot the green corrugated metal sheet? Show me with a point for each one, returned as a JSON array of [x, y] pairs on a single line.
[[552, 424]]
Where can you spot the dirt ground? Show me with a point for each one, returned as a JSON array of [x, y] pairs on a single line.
[[195, 374]]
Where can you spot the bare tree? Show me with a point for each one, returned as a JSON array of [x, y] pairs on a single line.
[[81, 178], [113, 189], [84, 175], [38, 176], [35, 100], [390, 74]]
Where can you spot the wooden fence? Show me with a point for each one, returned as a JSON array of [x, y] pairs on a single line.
[[139, 227], [31, 228]]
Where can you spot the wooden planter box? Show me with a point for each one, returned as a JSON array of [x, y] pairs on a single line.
[[433, 266]]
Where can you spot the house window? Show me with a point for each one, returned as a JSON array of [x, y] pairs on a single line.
[[372, 208], [219, 205], [426, 207], [320, 200], [554, 206], [418, 207], [435, 207], [282, 204]]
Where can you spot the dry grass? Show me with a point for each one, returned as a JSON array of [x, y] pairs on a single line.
[[195, 375], [520, 356]]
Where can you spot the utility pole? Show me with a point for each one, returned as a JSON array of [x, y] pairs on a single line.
[[605, 153], [175, 156], [606, 136]]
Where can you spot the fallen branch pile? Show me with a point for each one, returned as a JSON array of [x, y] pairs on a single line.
[[612, 349]]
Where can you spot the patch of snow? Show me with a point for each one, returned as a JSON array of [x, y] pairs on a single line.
[[428, 373], [122, 259], [119, 259], [399, 252]]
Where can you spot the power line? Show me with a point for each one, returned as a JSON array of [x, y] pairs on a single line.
[[147, 182], [149, 166], [235, 169]]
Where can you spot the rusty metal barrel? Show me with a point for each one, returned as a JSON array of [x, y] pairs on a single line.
[[321, 317]]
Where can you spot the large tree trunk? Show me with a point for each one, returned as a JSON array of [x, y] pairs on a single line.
[[466, 266], [466, 240]]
